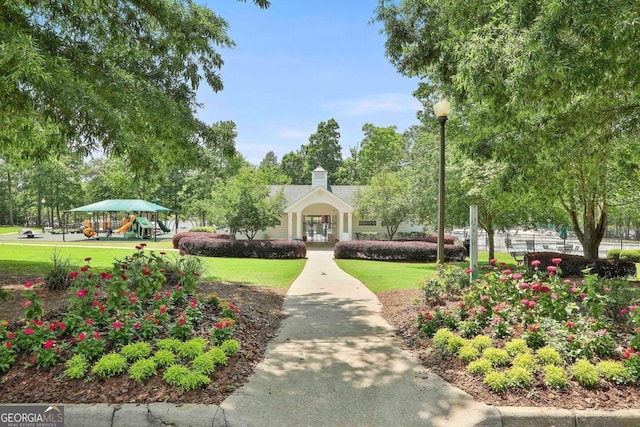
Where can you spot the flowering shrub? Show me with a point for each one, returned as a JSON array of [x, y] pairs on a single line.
[[32, 307]]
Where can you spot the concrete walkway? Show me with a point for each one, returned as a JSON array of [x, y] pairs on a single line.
[[337, 362]]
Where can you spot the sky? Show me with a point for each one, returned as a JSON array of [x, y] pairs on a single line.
[[302, 62]]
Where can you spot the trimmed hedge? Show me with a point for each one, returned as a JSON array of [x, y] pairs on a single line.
[[179, 236], [412, 251], [269, 249], [572, 265], [448, 240]]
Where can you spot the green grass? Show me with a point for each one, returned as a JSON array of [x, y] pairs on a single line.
[[10, 229], [37, 259], [385, 276]]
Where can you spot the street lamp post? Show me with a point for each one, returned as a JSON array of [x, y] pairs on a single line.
[[441, 109], [44, 213]]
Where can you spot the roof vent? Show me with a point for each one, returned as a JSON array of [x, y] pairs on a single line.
[[319, 178]]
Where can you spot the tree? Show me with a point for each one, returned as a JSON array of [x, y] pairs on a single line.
[[271, 170], [381, 148], [323, 150], [292, 166], [244, 204], [121, 78], [387, 199], [549, 76]]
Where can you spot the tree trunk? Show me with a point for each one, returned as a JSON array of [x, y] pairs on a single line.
[[594, 220], [10, 197], [484, 219]]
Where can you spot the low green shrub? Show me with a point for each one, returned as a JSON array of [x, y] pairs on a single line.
[[164, 358], [136, 351], [267, 249], [549, 356], [192, 348], [585, 373], [170, 344], [497, 356], [218, 355], [556, 376], [519, 377], [516, 346], [614, 371], [441, 338], [467, 353], [630, 255], [409, 251], [481, 342], [142, 369], [455, 344], [230, 347], [184, 378], [480, 366], [110, 365], [204, 364], [614, 253], [526, 361], [496, 381], [76, 367]]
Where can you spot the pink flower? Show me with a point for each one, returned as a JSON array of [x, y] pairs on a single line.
[[96, 335], [573, 290], [602, 332], [506, 272], [583, 295], [181, 321], [551, 270], [27, 303], [516, 276], [535, 287], [73, 274], [633, 308], [570, 324], [136, 326], [545, 288], [554, 296], [524, 285], [524, 302], [484, 298], [535, 263], [28, 284], [82, 293], [89, 322], [623, 311], [468, 270], [82, 336], [570, 338], [49, 344], [556, 261], [493, 261], [11, 335], [106, 276], [117, 324], [163, 309]]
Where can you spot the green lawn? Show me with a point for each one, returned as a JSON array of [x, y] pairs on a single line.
[[38, 258], [385, 276]]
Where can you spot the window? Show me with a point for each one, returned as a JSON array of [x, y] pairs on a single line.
[[277, 222], [367, 222]]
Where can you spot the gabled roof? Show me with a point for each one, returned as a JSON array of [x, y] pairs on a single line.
[[121, 205], [338, 194]]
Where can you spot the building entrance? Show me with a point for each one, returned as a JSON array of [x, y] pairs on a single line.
[[319, 228]]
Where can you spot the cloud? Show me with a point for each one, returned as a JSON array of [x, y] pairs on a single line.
[[386, 102], [290, 133]]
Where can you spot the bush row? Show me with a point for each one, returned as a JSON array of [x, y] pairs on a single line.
[[179, 236], [396, 251], [270, 249], [448, 240], [573, 265], [628, 254]]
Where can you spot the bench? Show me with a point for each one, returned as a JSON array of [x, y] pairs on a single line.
[[518, 255]]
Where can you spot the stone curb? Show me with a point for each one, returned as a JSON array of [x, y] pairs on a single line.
[[513, 416]]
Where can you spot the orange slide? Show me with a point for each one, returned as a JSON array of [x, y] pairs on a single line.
[[88, 231], [126, 224]]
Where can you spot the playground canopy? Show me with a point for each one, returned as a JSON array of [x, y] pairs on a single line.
[[121, 205]]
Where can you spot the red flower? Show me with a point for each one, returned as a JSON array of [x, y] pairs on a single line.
[[73, 274], [146, 272], [570, 338], [89, 322], [506, 272], [95, 303], [545, 288], [106, 276], [82, 293], [181, 321], [28, 284], [82, 336], [163, 253], [163, 309], [493, 261], [516, 276], [117, 324], [533, 328], [49, 344], [11, 335], [138, 247], [136, 326], [84, 268], [28, 331], [535, 287], [96, 335], [8, 345], [535, 263]]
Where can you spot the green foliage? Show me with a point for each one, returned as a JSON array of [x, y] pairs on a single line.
[[519, 377], [467, 353], [110, 365], [136, 351], [614, 253], [613, 371], [480, 366], [76, 367], [170, 344], [585, 373], [230, 347], [549, 356], [164, 358], [497, 356], [555, 376], [496, 381], [204, 364], [7, 357], [203, 229], [192, 348], [516, 346], [185, 378], [630, 255], [441, 338], [142, 369], [455, 344], [526, 361], [482, 342], [218, 355], [58, 276]]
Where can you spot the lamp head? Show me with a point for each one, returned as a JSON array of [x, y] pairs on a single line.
[[442, 108]]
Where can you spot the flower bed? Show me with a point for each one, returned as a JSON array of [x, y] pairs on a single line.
[[124, 323], [513, 328]]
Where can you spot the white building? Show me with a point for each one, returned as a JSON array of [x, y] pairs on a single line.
[[323, 213]]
